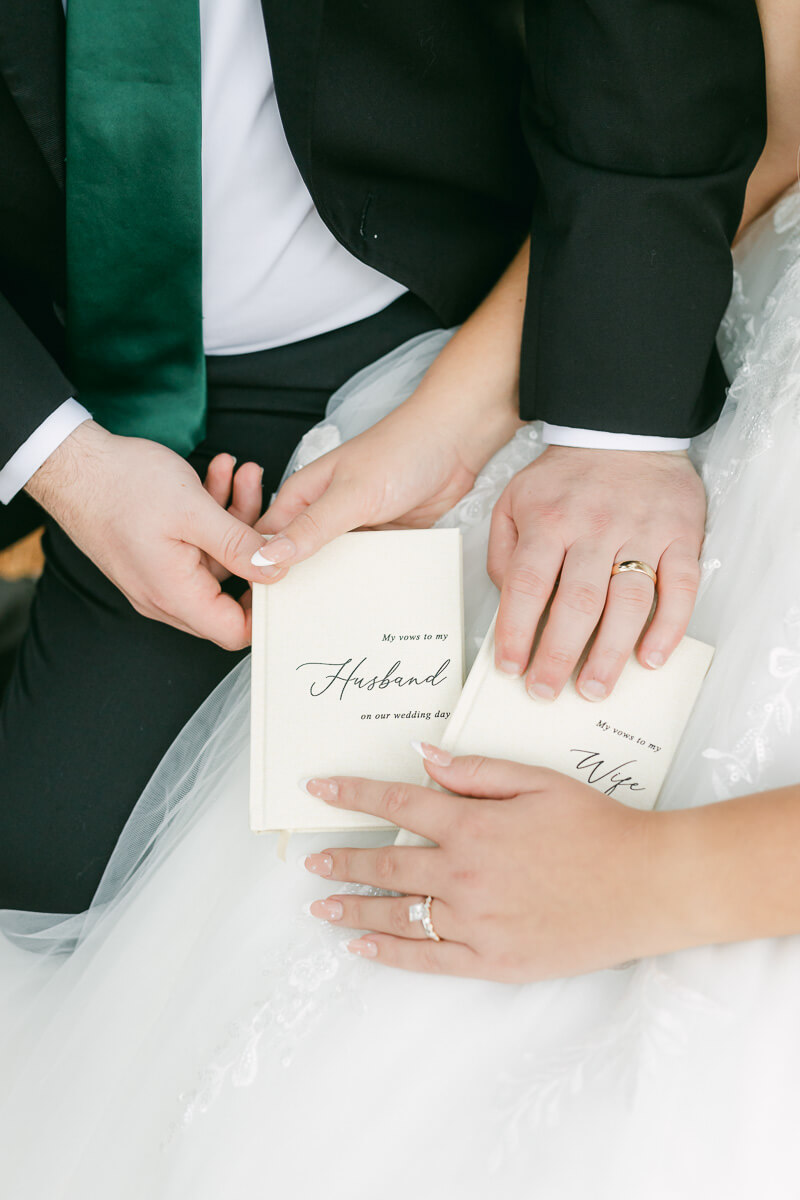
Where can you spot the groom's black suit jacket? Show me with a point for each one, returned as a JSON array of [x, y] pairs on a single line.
[[431, 140]]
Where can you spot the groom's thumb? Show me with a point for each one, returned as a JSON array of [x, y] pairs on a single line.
[[229, 542]]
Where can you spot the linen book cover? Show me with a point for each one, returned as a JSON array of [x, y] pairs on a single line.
[[622, 745], [356, 652]]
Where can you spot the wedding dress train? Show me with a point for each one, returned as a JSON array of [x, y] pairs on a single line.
[[197, 1035]]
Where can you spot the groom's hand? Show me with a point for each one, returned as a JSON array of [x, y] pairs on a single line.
[[559, 528], [142, 515]]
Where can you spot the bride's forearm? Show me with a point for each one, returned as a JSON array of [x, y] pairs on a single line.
[[779, 165], [730, 871], [473, 386]]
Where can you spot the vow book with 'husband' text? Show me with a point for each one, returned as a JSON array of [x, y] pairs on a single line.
[[622, 745], [357, 652]]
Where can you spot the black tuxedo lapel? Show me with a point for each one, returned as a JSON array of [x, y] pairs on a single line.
[[294, 30], [32, 42]]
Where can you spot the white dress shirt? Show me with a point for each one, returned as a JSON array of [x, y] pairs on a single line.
[[273, 273], [597, 439]]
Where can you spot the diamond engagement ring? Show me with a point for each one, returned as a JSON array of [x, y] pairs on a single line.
[[421, 911]]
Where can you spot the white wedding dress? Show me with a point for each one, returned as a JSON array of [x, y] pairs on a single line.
[[206, 1039]]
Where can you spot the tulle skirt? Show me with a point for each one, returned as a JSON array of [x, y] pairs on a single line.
[[197, 1035]]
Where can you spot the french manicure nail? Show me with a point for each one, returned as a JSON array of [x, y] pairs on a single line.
[[323, 789], [280, 549], [319, 864], [541, 691], [328, 910], [593, 689], [655, 659], [364, 948], [434, 754]]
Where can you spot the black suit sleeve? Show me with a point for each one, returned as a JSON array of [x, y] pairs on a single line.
[[32, 385], [644, 120]]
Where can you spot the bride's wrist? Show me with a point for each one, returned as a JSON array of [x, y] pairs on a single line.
[[738, 867], [479, 420], [673, 908], [700, 886]]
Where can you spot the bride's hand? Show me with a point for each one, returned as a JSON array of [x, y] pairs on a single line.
[[405, 471], [534, 875], [416, 463]]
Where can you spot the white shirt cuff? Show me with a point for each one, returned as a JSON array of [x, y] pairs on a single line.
[[597, 439], [26, 461]]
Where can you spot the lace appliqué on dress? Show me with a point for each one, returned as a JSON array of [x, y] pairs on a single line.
[[478, 504], [318, 441], [655, 1021], [658, 1016], [298, 987], [760, 348], [773, 717]]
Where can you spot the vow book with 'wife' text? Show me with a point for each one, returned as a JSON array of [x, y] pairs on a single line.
[[622, 745], [357, 652]]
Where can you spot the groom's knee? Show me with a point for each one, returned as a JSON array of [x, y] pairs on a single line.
[[40, 874], [31, 885]]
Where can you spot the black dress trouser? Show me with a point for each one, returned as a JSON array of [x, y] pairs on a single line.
[[99, 692]]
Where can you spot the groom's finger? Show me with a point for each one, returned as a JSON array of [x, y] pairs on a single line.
[[219, 476], [503, 538], [246, 498], [228, 541], [574, 614], [630, 600], [199, 606], [239, 493], [678, 581], [527, 586]]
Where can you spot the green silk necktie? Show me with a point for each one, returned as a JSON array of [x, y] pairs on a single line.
[[134, 216]]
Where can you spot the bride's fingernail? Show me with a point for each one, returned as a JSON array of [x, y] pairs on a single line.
[[655, 659], [541, 691], [327, 910], [275, 550], [319, 864], [364, 948], [323, 789], [434, 754]]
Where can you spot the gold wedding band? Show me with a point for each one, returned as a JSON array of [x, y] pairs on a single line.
[[633, 564]]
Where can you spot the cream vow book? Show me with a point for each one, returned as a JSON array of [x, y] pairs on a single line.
[[356, 653], [622, 745]]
